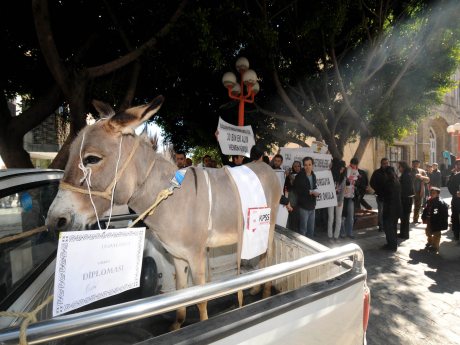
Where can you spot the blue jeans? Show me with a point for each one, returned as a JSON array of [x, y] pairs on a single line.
[[349, 207], [307, 222]]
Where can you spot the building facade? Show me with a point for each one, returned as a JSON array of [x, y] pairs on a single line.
[[431, 142]]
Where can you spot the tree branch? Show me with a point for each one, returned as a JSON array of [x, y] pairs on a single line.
[[48, 45], [309, 126], [39, 111], [398, 78], [106, 68], [136, 68], [5, 114], [282, 117], [352, 111], [276, 135]]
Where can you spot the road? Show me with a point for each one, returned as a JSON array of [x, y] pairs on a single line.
[[415, 294]]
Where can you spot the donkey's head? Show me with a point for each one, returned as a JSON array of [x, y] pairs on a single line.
[[102, 154]]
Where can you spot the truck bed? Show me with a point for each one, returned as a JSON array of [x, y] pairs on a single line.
[[314, 286]]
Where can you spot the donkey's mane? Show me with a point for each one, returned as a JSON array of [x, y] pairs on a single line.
[[152, 140]]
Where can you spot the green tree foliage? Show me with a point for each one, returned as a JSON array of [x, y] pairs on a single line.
[[332, 69], [380, 69], [70, 53]]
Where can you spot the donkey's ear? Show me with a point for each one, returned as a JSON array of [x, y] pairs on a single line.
[[129, 119], [104, 109]]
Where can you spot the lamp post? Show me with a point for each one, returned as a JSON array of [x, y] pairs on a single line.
[[236, 91], [454, 131]]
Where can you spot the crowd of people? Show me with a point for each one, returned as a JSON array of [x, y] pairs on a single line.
[[415, 190], [411, 189]]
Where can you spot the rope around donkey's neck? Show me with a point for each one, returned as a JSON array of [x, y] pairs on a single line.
[[162, 195], [29, 317]]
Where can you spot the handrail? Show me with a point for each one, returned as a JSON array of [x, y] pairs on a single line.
[[74, 324]]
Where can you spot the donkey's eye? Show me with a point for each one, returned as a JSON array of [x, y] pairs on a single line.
[[91, 160]]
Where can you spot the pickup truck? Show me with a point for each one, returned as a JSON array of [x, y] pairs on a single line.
[[319, 295]]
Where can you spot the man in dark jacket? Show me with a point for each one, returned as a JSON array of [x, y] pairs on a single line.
[[362, 185], [407, 194], [435, 216], [377, 182], [435, 176], [306, 193], [453, 186]]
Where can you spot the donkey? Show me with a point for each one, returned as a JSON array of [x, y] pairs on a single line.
[[204, 212]]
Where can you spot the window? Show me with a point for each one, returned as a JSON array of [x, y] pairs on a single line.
[[395, 154], [21, 210], [432, 146]]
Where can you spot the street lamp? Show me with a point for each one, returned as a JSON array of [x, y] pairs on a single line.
[[454, 131], [248, 78]]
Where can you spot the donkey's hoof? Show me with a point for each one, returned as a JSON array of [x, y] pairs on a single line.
[[255, 290]]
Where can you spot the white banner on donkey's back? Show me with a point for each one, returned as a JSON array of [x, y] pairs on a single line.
[[235, 140], [255, 210], [95, 264]]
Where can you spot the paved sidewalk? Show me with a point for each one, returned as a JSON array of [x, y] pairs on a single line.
[[415, 294]]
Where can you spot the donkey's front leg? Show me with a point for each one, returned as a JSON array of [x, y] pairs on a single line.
[[198, 267], [181, 267]]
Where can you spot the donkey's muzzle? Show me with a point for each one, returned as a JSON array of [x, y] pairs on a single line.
[[60, 223]]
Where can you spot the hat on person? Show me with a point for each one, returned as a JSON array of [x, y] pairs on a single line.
[[415, 161], [435, 188], [435, 164]]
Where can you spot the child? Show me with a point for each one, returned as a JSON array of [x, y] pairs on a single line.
[[434, 216]]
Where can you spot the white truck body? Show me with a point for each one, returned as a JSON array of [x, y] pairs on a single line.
[[320, 294], [320, 300]]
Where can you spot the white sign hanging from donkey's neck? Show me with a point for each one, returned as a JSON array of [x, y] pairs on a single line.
[[92, 265]]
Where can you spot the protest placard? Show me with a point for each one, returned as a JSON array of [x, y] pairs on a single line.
[[319, 147], [326, 189], [235, 140], [322, 161]]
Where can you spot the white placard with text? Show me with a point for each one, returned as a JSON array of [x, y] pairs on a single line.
[[94, 264], [255, 236], [319, 147], [322, 160], [235, 140], [326, 188]]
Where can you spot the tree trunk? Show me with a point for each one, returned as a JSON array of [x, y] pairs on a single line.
[[13, 153], [77, 121], [62, 157], [363, 142], [13, 128]]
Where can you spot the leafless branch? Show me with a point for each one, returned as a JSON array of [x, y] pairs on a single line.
[[48, 45], [309, 126], [282, 117], [106, 68]]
